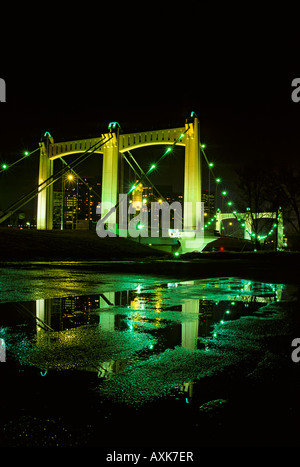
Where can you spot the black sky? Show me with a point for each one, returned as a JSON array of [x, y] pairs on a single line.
[[239, 85]]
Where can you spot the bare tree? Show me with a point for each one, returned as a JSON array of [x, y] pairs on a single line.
[[283, 190]]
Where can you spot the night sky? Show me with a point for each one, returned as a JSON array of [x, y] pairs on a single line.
[[238, 85]]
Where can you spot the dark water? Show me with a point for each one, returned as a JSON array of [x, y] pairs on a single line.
[[108, 332], [130, 340]]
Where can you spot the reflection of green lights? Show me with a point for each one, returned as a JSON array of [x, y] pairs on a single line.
[[176, 253]]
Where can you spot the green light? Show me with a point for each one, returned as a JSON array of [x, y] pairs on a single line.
[[26, 153], [113, 125], [153, 166], [139, 226], [181, 136], [224, 193], [4, 166], [227, 312], [211, 164], [229, 203], [203, 146], [218, 180], [176, 253], [169, 150]]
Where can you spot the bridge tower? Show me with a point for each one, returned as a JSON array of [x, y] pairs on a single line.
[[45, 195], [192, 176]]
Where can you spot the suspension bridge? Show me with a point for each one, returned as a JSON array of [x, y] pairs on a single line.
[[116, 147]]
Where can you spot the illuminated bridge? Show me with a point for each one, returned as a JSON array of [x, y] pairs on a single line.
[[194, 233]]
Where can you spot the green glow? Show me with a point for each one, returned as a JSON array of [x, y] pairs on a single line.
[[168, 150], [153, 166], [203, 146], [4, 166], [218, 180], [176, 253], [211, 164], [113, 125], [139, 226], [229, 203], [227, 312], [26, 153], [224, 193]]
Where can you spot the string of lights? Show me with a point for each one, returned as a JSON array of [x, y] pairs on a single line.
[[5, 166]]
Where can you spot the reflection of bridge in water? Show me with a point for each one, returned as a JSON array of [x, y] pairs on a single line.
[[179, 321]]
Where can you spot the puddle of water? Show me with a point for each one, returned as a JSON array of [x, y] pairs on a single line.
[[139, 342]]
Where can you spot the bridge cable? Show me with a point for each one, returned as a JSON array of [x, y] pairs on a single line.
[[19, 160], [158, 192]]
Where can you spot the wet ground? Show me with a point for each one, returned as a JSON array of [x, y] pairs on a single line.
[[106, 359]]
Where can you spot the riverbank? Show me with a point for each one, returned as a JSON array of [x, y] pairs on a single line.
[[69, 249]]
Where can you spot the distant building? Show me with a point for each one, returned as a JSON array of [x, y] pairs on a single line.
[[74, 207], [209, 203]]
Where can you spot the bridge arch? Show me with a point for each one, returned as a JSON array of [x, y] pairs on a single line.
[[246, 216], [114, 145]]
